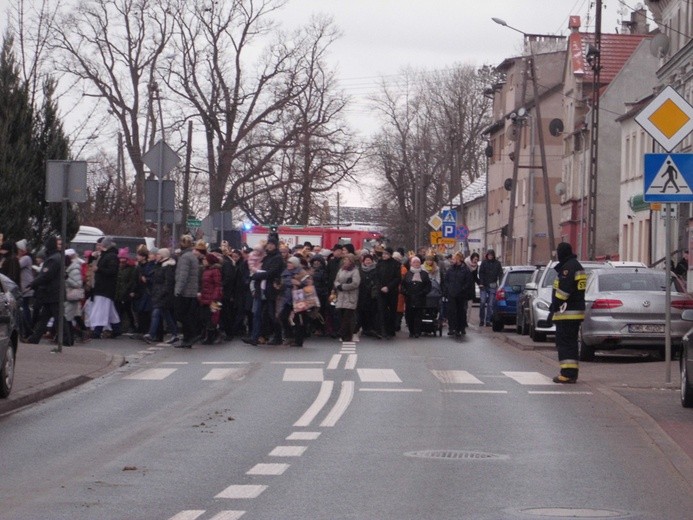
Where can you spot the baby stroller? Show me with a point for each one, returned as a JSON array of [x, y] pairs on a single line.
[[430, 317]]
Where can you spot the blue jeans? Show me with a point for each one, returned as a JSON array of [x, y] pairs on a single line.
[[157, 314], [486, 299]]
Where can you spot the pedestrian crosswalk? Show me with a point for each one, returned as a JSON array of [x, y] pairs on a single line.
[[452, 381]]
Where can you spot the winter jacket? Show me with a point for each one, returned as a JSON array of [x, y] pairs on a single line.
[[270, 273], [229, 274], [163, 284], [490, 272], [457, 282], [346, 283], [211, 290], [126, 283], [389, 274], [415, 291], [26, 275], [106, 275], [370, 285], [46, 285], [74, 275], [320, 278], [187, 275], [569, 289]]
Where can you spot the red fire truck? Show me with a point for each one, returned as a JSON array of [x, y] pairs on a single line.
[[316, 235]]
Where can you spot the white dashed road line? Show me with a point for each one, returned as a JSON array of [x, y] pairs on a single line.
[[334, 362], [390, 390], [242, 491], [343, 401], [303, 436], [318, 404], [268, 469], [350, 362], [228, 515], [190, 514], [288, 451]]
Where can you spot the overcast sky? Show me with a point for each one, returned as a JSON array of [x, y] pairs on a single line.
[[381, 37]]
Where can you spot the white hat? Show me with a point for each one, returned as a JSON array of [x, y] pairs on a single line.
[[294, 261], [22, 244], [70, 252]]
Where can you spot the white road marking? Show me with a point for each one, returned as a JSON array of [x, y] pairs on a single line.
[[334, 362], [152, 374], [318, 404], [190, 514], [157, 347], [390, 390], [530, 378], [456, 377], [297, 362], [217, 374], [175, 363], [558, 392], [225, 363], [303, 436], [459, 391], [268, 469], [242, 491], [145, 352], [303, 374], [350, 362], [343, 401], [228, 515], [288, 451], [348, 343], [378, 375]]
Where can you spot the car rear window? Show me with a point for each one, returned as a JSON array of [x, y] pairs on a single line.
[[518, 277], [634, 282]]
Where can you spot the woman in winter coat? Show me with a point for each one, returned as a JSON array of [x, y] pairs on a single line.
[[415, 286], [209, 298], [367, 306], [74, 280], [458, 280], [125, 289], [298, 319], [142, 303], [346, 284], [163, 283], [321, 283]]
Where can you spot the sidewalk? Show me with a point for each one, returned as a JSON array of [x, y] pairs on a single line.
[[40, 373]]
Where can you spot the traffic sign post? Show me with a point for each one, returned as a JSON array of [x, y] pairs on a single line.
[[160, 159], [668, 118], [668, 177]]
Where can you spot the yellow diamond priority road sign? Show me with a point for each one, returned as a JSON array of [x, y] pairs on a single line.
[[668, 118]]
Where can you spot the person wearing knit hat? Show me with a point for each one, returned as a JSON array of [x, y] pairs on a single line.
[[102, 311], [164, 253], [126, 289], [22, 245], [201, 246], [210, 297], [456, 283], [26, 275], [186, 289]]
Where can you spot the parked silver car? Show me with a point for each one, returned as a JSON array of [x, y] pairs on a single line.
[[686, 364], [539, 295], [9, 334], [625, 308]]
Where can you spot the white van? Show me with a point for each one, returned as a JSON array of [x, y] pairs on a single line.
[[86, 238]]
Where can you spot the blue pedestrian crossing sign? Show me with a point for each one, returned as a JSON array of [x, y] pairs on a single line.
[[449, 218], [668, 177]]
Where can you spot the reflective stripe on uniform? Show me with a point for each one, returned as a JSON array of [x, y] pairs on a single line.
[[569, 363], [561, 295], [569, 315]]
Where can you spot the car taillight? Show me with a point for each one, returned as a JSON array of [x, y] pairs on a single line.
[[604, 303], [682, 304], [500, 294]]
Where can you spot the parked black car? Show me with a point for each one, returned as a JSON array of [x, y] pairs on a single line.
[[9, 332]]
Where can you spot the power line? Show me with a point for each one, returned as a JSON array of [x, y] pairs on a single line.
[[671, 29]]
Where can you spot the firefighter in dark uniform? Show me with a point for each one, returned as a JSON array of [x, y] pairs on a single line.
[[568, 310]]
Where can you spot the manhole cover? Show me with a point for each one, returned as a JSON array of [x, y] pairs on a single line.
[[567, 512], [454, 454]]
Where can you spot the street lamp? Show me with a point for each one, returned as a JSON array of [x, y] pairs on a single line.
[[530, 38]]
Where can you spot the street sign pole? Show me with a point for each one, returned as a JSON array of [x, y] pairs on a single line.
[[667, 297], [63, 234], [159, 203]]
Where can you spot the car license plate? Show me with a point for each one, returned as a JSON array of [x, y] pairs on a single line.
[[646, 328]]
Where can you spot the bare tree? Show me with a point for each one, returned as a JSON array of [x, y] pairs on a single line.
[[114, 48], [430, 145], [255, 117]]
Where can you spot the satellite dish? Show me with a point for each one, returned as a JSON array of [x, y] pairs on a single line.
[[512, 133], [560, 188], [659, 45], [556, 127], [521, 112], [508, 184]]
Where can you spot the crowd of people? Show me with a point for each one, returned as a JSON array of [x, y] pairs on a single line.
[[271, 294]]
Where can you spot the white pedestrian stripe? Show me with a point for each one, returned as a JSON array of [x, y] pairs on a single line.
[[217, 374], [303, 374], [460, 391], [303, 436], [225, 363], [152, 374], [242, 491], [174, 363], [334, 362], [456, 377], [558, 392], [288, 451], [190, 514], [378, 375], [228, 515], [320, 401], [350, 362], [529, 378], [343, 401], [268, 469]]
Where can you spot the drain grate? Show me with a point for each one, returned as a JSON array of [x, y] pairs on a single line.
[[455, 454]]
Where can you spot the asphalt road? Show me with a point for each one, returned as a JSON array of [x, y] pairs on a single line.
[[404, 429]]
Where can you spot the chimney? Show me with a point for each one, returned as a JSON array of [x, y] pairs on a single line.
[[574, 23], [639, 19]]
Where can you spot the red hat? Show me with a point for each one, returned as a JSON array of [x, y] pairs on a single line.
[[211, 259]]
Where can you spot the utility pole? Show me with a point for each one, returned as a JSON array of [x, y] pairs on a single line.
[[186, 177], [594, 59]]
